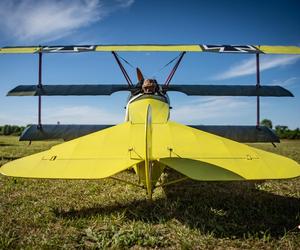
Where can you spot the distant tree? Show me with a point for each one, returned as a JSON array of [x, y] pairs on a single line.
[[15, 130], [285, 133], [297, 133], [267, 123], [11, 130], [6, 130], [18, 131], [281, 128]]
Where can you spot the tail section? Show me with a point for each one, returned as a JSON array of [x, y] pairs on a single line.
[[148, 144], [148, 150]]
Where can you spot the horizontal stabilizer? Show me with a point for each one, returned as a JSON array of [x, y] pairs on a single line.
[[236, 49], [203, 156], [55, 132], [197, 154], [94, 156], [241, 133], [57, 90], [230, 90]]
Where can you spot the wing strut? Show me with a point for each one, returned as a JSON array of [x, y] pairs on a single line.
[[174, 69], [122, 69], [257, 86], [40, 86]]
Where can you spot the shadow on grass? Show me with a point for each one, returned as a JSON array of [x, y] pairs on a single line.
[[6, 144], [9, 158], [232, 209]]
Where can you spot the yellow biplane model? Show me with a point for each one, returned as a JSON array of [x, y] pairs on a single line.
[[148, 142]]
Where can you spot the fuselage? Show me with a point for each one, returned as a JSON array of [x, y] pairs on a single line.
[[160, 108], [148, 110]]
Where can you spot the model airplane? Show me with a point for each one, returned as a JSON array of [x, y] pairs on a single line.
[[148, 141]]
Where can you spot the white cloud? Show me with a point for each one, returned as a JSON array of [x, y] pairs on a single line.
[[65, 115], [215, 110], [83, 115], [248, 67], [44, 21], [15, 120], [288, 82], [125, 3]]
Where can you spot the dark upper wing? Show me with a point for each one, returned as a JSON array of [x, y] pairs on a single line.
[[82, 89], [230, 90]]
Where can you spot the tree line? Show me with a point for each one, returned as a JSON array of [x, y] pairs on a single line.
[[11, 130], [282, 131]]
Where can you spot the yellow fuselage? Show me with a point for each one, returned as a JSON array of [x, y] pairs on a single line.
[[148, 110], [160, 109]]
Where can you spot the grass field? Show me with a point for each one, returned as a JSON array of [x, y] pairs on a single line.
[[54, 214]]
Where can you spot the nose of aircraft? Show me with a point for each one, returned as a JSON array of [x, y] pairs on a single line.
[[149, 86]]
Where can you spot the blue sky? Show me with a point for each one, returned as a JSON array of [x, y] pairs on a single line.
[[28, 22]]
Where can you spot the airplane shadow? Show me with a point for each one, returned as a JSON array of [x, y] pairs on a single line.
[[232, 209], [6, 144], [9, 158]]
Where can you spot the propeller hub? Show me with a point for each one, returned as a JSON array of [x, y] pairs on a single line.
[[149, 86]]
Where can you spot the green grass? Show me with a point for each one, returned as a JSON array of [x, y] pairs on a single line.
[[55, 214]]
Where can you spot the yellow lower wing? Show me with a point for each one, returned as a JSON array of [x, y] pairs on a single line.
[[97, 155], [203, 156]]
